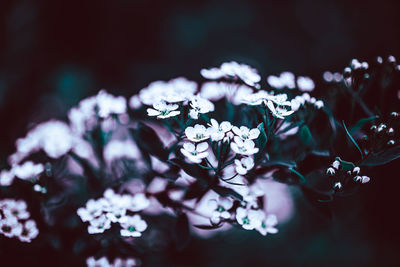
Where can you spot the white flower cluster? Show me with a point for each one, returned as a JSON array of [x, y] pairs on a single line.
[[104, 262], [355, 173], [27, 170], [84, 116], [287, 80], [114, 208], [334, 77], [300, 100], [53, 137], [233, 70], [15, 222], [251, 219]]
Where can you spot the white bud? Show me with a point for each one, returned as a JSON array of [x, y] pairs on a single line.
[[337, 186], [330, 171], [336, 164], [365, 179], [356, 169]]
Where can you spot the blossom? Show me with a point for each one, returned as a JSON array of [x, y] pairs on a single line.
[[246, 147], [129, 262], [330, 171], [163, 110], [268, 225], [53, 137], [249, 219], [337, 186], [195, 153], [99, 224], [6, 177], [10, 227], [285, 79], [280, 100], [17, 209], [336, 164], [233, 70], [305, 84], [279, 111], [108, 104], [220, 209], [176, 90], [133, 227], [245, 133], [29, 231], [256, 98], [117, 149], [217, 131], [93, 209], [363, 179], [28, 170], [244, 165], [197, 133], [201, 105], [102, 262]]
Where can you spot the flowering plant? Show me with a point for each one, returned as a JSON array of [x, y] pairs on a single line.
[[199, 156]]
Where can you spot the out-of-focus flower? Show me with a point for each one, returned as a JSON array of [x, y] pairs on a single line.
[[129, 262], [246, 147], [6, 177], [10, 227], [217, 131], [305, 84], [163, 110], [17, 209], [244, 165], [101, 262], [256, 98], [99, 225], [133, 227], [200, 105], [197, 133], [285, 80], [28, 170], [220, 209], [195, 153], [176, 90], [233, 70], [116, 149]]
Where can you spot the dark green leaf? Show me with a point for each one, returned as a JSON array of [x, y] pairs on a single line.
[[352, 140], [261, 143], [147, 139], [191, 169], [359, 124], [305, 135], [383, 157]]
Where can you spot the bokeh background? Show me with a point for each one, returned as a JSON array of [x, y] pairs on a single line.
[[54, 53]]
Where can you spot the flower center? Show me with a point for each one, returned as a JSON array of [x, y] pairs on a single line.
[[246, 220], [131, 229], [220, 209]]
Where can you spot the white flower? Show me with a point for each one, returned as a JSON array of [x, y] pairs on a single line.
[[134, 102], [163, 110], [10, 227], [28, 170], [29, 231], [245, 133], [201, 105], [117, 149], [356, 170], [220, 209], [217, 131], [249, 219], [233, 70], [6, 177], [246, 147], [197, 133], [133, 227], [108, 104], [268, 225], [336, 164], [337, 186], [99, 224], [176, 90], [195, 153], [363, 179], [93, 209], [244, 165], [280, 111], [255, 99], [17, 209], [319, 104], [280, 100], [139, 202], [102, 262], [53, 137], [130, 262], [330, 171], [305, 84], [286, 79]]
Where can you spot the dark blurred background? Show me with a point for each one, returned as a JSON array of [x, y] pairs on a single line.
[[54, 53]]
